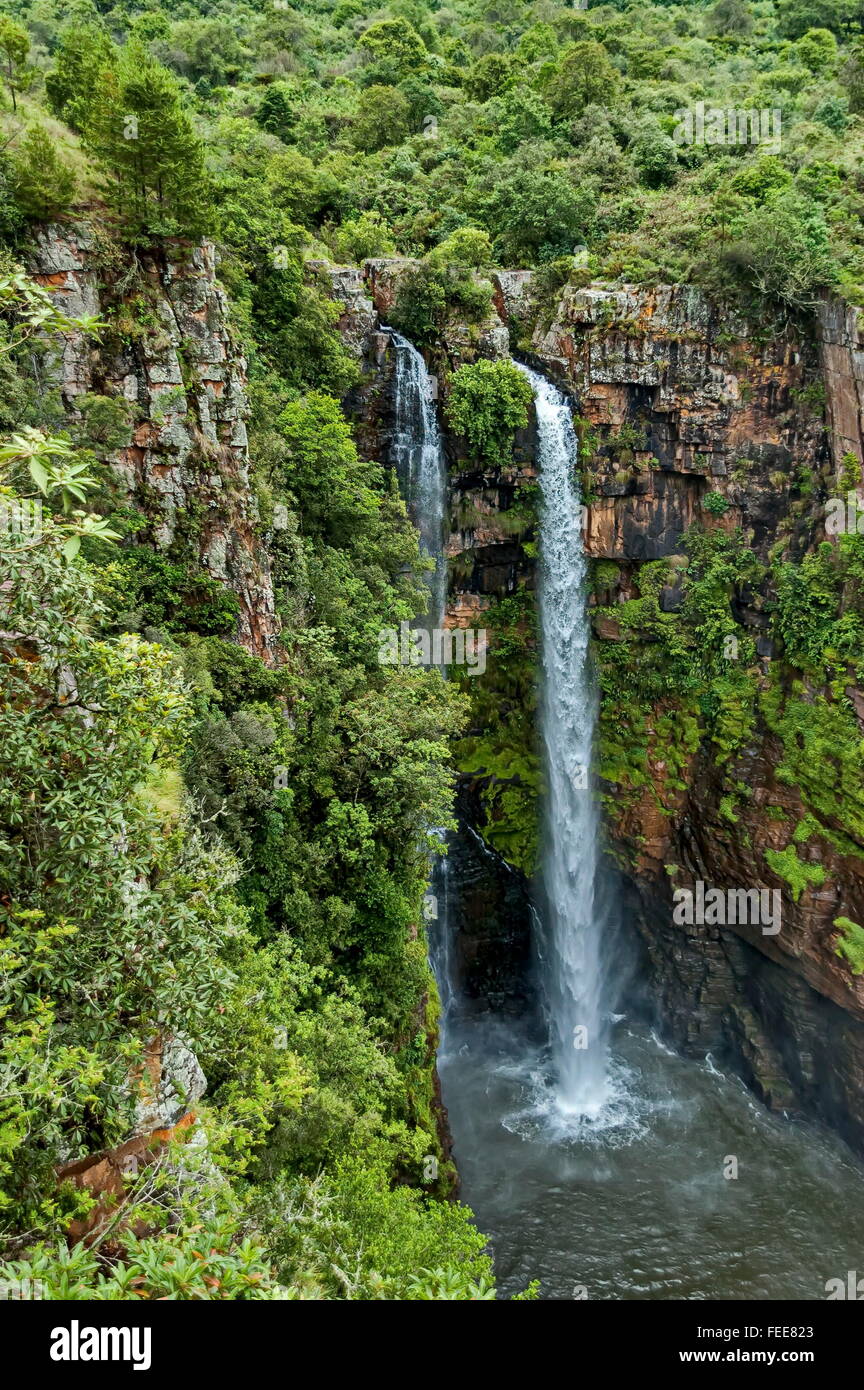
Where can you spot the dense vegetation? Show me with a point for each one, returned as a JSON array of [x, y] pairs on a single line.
[[202, 849], [491, 130], [233, 854], [499, 130]]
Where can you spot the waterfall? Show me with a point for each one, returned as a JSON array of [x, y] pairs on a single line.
[[420, 467], [418, 457], [572, 922]]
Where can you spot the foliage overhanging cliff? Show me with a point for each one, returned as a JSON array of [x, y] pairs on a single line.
[[217, 805]]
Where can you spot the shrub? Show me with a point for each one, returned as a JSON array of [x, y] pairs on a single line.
[[851, 944], [488, 402], [715, 503], [420, 311], [467, 246], [782, 252], [363, 236]]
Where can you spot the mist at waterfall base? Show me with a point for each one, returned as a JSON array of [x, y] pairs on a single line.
[[604, 1176], [647, 1211]]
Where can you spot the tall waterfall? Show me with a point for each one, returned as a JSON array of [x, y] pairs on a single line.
[[420, 466], [572, 925]]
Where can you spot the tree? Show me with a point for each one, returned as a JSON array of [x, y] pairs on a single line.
[[383, 118], [326, 473], [538, 214], [520, 115], [296, 329], [584, 77], [14, 47], [44, 185], [395, 46], [207, 49], [11, 224], [490, 75], [488, 402], [817, 50], [795, 17], [729, 17], [140, 131], [655, 155], [537, 43], [277, 111], [85, 52], [852, 77]]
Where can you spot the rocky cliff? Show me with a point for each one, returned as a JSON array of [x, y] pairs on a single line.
[[167, 358], [160, 398], [688, 418], [681, 403]]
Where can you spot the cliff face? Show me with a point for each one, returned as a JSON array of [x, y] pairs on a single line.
[[675, 405], [841, 350], [681, 403], [701, 407], [168, 372], [168, 353]]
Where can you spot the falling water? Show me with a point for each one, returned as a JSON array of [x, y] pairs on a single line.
[[581, 1193], [572, 926], [420, 466], [418, 457]]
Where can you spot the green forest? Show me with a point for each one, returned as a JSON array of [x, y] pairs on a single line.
[[226, 853]]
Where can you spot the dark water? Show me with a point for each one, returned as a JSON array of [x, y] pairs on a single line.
[[642, 1210]]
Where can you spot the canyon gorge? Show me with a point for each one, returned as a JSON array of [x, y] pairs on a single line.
[[670, 407]]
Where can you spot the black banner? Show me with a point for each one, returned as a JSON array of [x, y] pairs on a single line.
[[196, 1341]]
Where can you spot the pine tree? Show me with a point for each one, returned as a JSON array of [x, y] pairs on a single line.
[[85, 52], [43, 184], [144, 137]]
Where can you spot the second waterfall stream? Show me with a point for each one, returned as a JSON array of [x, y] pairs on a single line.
[[418, 456], [572, 924], [420, 466]]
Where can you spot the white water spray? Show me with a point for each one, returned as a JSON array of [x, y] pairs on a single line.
[[572, 922], [420, 466]]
